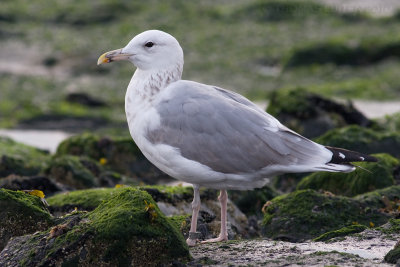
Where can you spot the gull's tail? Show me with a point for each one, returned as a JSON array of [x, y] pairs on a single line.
[[341, 160], [343, 156]]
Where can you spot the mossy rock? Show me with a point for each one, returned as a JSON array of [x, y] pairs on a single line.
[[21, 214], [20, 159], [393, 256], [340, 53], [127, 229], [306, 214], [276, 11], [377, 175], [117, 154], [251, 202], [380, 198], [72, 171], [362, 140], [390, 228], [310, 114], [352, 229]]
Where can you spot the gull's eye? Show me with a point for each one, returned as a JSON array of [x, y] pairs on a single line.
[[149, 44]]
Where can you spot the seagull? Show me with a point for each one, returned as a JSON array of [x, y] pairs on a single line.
[[209, 136]]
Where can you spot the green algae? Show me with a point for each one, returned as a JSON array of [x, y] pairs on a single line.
[[306, 214], [356, 228], [116, 154], [21, 214], [87, 199], [377, 175], [70, 170], [393, 256], [392, 228], [375, 198], [20, 159]]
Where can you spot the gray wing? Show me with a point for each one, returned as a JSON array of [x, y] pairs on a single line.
[[227, 133]]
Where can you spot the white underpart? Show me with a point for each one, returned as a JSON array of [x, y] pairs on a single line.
[[342, 155]]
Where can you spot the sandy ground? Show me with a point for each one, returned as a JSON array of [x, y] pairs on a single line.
[[46, 140], [365, 249]]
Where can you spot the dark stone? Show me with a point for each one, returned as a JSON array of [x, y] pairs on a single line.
[[41, 183], [85, 100], [312, 115]]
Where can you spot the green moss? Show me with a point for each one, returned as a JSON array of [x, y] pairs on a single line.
[[21, 214], [390, 123], [121, 154], [341, 232], [294, 102], [169, 193], [20, 159], [393, 256], [378, 175], [70, 170], [307, 214], [341, 53], [87, 199], [180, 221], [126, 229], [375, 198], [392, 228], [124, 216], [363, 140], [273, 11]]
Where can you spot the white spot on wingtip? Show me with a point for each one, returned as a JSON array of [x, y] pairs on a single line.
[[342, 155], [362, 158]]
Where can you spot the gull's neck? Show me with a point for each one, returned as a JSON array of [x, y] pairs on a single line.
[[146, 84]]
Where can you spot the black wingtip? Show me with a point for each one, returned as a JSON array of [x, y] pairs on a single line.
[[341, 155]]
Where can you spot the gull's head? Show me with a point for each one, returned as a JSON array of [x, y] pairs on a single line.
[[148, 50]]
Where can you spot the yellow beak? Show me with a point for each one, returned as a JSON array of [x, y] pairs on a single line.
[[114, 55]]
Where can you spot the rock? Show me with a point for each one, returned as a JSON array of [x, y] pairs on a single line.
[[251, 202], [386, 199], [85, 100], [306, 214], [67, 122], [20, 159], [127, 229], [393, 256], [393, 227], [41, 183], [21, 214], [287, 182], [362, 140], [72, 171], [310, 114], [120, 155], [376, 176]]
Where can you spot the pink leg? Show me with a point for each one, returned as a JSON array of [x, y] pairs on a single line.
[[223, 236], [191, 241]]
